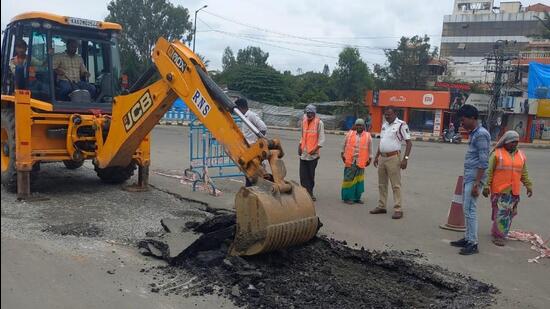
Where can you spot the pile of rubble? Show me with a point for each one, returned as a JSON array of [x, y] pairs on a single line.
[[322, 273]]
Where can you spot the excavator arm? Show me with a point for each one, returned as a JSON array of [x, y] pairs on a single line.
[[182, 75], [271, 214]]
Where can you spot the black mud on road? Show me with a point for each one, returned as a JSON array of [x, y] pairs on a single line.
[[324, 273]]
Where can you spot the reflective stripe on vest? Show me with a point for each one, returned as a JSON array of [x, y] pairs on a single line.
[[351, 141], [508, 171], [310, 134]]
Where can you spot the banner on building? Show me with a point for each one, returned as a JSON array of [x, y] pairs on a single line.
[[414, 98], [519, 105], [480, 101], [539, 81], [461, 86], [541, 129], [543, 108], [517, 123]]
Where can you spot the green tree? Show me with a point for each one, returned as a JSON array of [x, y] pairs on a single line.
[[204, 60], [252, 55], [381, 77], [290, 87], [326, 70], [545, 25], [143, 22], [314, 87], [250, 74], [352, 76], [260, 83], [228, 58], [408, 63]]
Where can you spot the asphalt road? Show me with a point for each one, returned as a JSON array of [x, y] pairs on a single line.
[[43, 268], [428, 185]]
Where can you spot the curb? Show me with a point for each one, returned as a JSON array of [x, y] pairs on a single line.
[[431, 139], [339, 132]]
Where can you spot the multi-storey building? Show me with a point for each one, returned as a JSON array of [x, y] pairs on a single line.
[[474, 28]]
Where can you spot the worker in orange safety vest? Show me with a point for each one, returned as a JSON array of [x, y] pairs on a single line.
[[357, 155], [311, 141], [507, 171]]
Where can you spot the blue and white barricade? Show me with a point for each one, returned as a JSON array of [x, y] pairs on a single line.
[[178, 115], [208, 157]]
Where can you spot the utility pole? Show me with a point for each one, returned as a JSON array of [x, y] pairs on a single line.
[[499, 63], [195, 26]]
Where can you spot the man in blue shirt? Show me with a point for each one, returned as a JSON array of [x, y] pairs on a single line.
[[475, 166]]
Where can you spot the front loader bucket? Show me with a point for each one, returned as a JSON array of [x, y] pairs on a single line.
[[268, 221]]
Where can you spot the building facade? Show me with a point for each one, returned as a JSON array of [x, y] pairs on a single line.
[[423, 110], [470, 33]]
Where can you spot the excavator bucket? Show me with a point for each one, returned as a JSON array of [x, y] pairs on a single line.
[[268, 220], [273, 214]]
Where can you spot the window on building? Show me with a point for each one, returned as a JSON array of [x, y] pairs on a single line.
[[421, 120], [463, 7], [461, 46]]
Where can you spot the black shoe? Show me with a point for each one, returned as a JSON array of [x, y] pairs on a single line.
[[459, 243], [469, 250], [378, 210]]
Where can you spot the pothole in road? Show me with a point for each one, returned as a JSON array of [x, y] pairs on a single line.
[[322, 273], [78, 229]]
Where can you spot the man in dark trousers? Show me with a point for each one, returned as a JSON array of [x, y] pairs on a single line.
[[311, 141]]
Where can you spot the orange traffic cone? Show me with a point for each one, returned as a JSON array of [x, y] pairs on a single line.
[[455, 218]]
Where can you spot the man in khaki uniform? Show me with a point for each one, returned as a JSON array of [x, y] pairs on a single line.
[[394, 132]]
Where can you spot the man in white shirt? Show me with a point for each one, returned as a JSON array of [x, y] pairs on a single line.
[[394, 133], [250, 137]]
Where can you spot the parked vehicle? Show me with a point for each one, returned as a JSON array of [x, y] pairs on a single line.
[[449, 136]]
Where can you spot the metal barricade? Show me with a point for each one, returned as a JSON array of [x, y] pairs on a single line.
[[208, 159], [178, 115]]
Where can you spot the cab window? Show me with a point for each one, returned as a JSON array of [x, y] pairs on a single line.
[[38, 74], [96, 65], [13, 63]]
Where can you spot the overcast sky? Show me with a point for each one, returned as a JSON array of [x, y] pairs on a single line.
[[298, 34]]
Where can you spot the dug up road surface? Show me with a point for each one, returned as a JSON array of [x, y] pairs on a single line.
[[75, 247]]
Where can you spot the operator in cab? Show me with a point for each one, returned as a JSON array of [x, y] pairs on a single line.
[[19, 62], [70, 70]]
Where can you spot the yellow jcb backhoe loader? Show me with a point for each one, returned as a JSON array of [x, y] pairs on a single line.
[[46, 116]]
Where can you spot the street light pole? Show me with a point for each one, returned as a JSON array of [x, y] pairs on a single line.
[[195, 27]]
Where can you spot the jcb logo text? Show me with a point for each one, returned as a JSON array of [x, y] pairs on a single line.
[[137, 111]]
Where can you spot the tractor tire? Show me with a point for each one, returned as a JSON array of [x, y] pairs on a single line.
[[72, 164], [9, 171], [115, 174]]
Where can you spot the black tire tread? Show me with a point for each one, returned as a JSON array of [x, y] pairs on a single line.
[[72, 164], [9, 177], [115, 174]]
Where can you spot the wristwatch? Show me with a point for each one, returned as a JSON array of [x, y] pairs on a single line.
[[406, 157]]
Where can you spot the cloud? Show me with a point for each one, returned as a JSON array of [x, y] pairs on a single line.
[[303, 34]]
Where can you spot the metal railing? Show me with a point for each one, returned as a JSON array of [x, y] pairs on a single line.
[[207, 158], [178, 115], [534, 54]]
